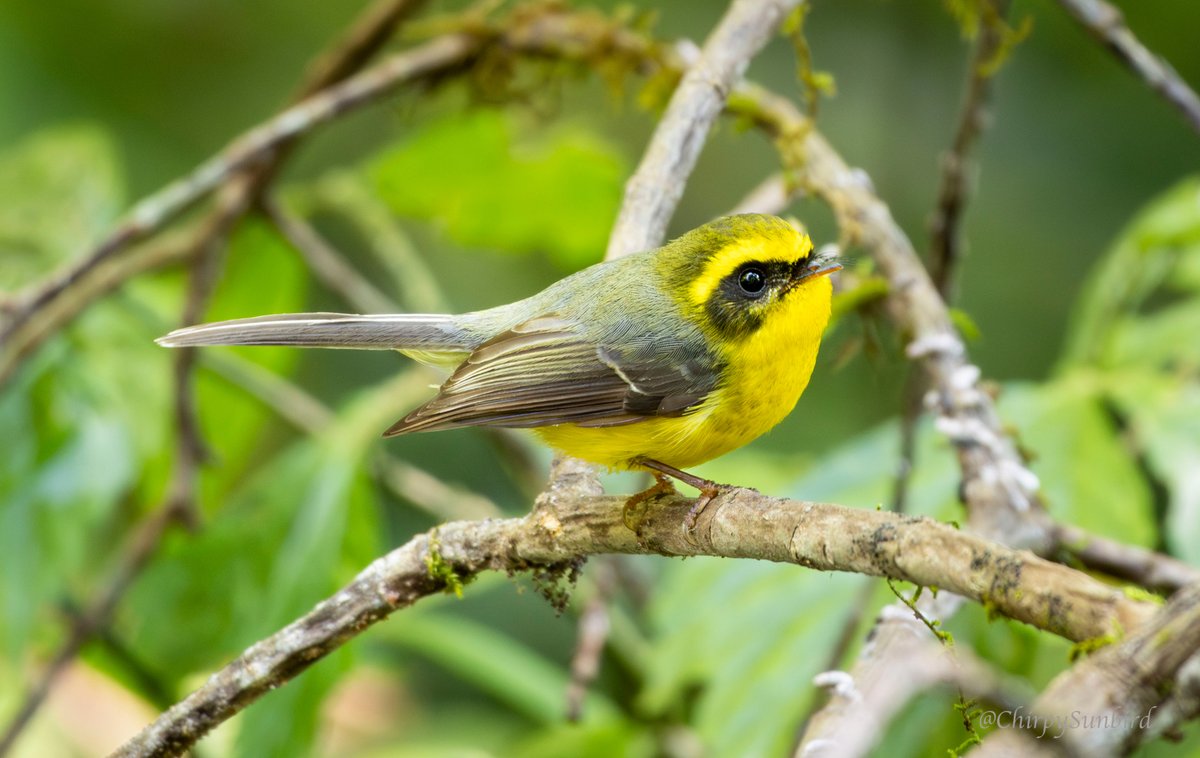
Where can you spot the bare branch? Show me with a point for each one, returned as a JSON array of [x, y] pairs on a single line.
[[945, 244], [1145, 568], [253, 149], [327, 263], [594, 625], [915, 663], [1105, 22], [141, 548], [654, 190], [572, 520]]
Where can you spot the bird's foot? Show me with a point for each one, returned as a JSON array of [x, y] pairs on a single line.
[[635, 506], [708, 489]]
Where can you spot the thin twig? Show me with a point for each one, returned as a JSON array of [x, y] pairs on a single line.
[[190, 449], [366, 36], [945, 225], [546, 33], [94, 617], [654, 190], [594, 626], [327, 263], [1145, 568], [252, 148], [1106, 23], [572, 520]]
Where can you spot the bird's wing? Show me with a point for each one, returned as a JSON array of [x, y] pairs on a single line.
[[546, 371]]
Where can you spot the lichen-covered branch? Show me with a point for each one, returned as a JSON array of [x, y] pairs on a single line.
[[860, 708], [999, 489], [1120, 690], [572, 520]]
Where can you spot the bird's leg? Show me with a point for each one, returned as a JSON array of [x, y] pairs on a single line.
[[632, 513], [708, 489]]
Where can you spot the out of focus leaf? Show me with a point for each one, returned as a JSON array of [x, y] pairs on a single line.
[[496, 664], [59, 190], [1088, 477], [263, 275], [285, 721], [283, 542], [81, 435], [1164, 417], [1162, 340], [754, 660], [1163, 239], [863, 472], [557, 195], [589, 740]]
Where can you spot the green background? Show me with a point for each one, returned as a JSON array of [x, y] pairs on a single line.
[[102, 103]]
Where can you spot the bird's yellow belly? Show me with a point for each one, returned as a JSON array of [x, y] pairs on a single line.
[[765, 376]]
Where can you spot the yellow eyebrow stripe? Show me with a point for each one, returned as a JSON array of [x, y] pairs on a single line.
[[763, 249]]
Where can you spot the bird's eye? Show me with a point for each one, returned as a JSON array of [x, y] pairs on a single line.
[[752, 280]]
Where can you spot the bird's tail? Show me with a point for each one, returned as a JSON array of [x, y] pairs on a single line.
[[402, 331]]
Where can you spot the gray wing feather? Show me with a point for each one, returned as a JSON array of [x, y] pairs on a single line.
[[546, 371]]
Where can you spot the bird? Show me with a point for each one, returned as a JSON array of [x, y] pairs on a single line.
[[656, 361]]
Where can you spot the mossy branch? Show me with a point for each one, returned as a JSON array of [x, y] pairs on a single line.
[[572, 520]]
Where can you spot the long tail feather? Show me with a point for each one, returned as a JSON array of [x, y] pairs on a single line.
[[402, 331]]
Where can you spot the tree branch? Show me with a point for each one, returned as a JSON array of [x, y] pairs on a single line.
[[253, 149], [1142, 567], [1119, 688], [654, 190], [945, 244], [1106, 23], [571, 520], [916, 662]]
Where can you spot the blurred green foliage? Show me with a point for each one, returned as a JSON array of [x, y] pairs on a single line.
[[452, 203]]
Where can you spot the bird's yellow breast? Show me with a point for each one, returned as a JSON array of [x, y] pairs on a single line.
[[764, 376]]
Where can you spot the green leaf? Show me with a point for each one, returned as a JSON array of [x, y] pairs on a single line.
[[1164, 418], [1160, 340], [1088, 477], [83, 431], [496, 664], [753, 661], [285, 539], [59, 190], [556, 195], [262, 275], [589, 740], [1161, 245]]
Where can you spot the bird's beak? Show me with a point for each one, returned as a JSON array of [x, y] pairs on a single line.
[[817, 265]]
